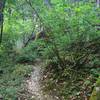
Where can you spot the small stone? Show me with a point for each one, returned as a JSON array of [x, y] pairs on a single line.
[[32, 97], [56, 97], [46, 96], [54, 89], [78, 93]]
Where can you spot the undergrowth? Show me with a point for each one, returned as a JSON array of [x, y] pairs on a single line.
[[12, 74]]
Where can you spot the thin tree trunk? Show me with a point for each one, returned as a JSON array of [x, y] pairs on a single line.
[[1, 33], [98, 3], [2, 6]]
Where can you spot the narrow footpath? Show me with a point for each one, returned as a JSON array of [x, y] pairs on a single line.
[[34, 86]]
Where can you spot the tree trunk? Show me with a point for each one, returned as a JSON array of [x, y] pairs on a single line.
[[98, 3], [2, 5]]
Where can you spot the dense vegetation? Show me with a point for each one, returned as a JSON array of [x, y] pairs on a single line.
[[64, 34]]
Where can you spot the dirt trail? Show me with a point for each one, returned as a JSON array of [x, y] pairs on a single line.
[[34, 85]]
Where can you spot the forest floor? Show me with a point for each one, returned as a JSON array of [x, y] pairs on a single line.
[[34, 86]]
